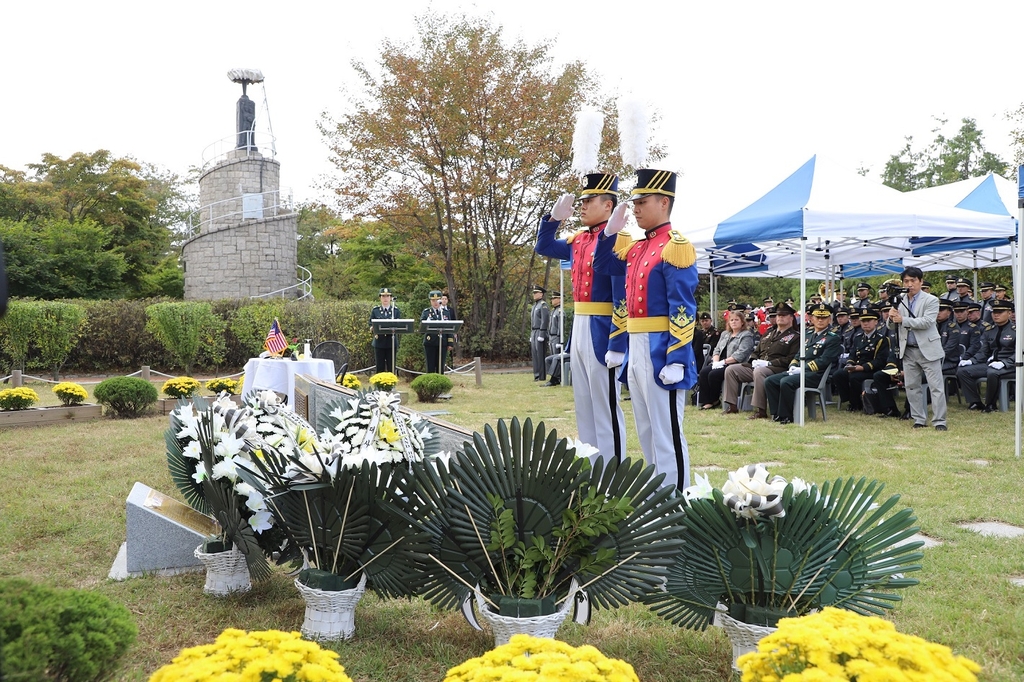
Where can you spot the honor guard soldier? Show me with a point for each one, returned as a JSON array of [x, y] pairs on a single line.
[[661, 281], [993, 361], [866, 358], [598, 340], [433, 342], [384, 344]]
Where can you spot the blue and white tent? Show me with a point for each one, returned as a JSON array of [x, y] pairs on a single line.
[[823, 217]]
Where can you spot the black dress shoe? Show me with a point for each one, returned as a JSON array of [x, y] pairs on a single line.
[[941, 427], [919, 426], [785, 420], [976, 406], [990, 408]]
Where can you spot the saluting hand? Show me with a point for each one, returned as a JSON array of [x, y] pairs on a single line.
[[617, 221], [563, 207]]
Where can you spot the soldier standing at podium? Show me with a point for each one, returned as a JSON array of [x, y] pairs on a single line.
[[384, 344], [432, 342]]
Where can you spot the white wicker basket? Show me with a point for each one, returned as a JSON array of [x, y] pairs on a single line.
[[226, 572], [743, 636], [330, 616], [504, 627]]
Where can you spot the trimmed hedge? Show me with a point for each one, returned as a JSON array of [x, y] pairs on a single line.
[[126, 396], [429, 387], [66, 635]]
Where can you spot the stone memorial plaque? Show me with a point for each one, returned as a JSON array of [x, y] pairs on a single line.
[[162, 535]]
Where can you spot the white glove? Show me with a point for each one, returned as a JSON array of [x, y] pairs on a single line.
[[671, 374], [759, 363], [964, 363], [540, 338], [563, 207], [997, 365], [617, 221], [843, 357], [614, 358], [718, 365], [794, 370]]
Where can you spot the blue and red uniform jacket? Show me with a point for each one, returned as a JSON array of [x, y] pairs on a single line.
[[593, 294], [661, 284]]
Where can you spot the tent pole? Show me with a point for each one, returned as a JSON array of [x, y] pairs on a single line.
[[803, 329], [561, 325], [1018, 288]]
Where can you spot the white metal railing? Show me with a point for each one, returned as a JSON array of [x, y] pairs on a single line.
[[261, 142], [304, 287], [280, 202]]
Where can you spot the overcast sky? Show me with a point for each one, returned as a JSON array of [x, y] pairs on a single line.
[[750, 90]]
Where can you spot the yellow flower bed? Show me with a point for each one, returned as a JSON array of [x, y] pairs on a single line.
[[180, 387], [384, 381], [352, 381], [836, 645], [70, 393], [20, 398], [527, 658], [241, 656], [218, 386]]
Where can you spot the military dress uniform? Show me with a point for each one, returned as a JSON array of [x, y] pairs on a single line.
[[970, 334], [596, 392], [661, 310], [385, 345], [432, 343], [777, 348], [870, 354], [540, 315], [993, 361], [949, 335], [821, 349]]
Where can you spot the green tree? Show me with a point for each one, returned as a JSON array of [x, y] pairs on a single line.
[[458, 143], [17, 331], [53, 258], [945, 160]]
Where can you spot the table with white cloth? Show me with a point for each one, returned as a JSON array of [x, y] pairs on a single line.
[[278, 374]]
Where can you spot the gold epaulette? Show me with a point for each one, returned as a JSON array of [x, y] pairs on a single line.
[[568, 240], [679, 251], [623, 242]]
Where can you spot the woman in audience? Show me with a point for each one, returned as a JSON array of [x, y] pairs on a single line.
[[734, 347]]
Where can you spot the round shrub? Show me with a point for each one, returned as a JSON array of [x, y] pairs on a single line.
[[126, 396], [70, 393], [66, 635], [20, 398], [218, 386], [180, 387], [384, 381], [351, 381], [429, 387]]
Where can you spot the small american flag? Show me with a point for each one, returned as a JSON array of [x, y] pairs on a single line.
[[276, 341]]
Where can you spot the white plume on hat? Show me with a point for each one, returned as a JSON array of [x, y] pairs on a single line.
[[633, 132], [586, 141]]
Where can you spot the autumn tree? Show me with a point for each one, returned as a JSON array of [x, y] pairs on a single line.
[[457, 143], [945, 160]]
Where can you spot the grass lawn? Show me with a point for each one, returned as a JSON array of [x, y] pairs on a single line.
[[62, 519]]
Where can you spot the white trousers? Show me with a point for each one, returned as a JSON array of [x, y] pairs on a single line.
[[659, 416], [599, 418]]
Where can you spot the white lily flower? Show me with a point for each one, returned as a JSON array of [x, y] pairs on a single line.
[[200, 475], [701, 490], [261, 521], [192, 450]]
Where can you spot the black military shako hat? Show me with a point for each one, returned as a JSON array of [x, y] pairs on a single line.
[[651, 181], [600, 183]]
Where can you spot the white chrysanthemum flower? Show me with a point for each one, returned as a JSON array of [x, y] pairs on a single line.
[[225, 469], [583, 450]]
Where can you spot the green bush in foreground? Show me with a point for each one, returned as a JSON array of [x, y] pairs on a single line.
[[66, 635], [126, 396], [429, 387]]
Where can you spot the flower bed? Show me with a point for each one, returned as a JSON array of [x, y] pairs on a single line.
[[38, 416]]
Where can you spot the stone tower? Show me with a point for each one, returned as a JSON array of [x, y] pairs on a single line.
[[242, 242]]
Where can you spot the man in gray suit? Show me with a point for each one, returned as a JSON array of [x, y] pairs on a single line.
[[914, 317], [539, 319]]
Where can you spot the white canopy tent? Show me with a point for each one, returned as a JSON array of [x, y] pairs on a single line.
[[823, 216]]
